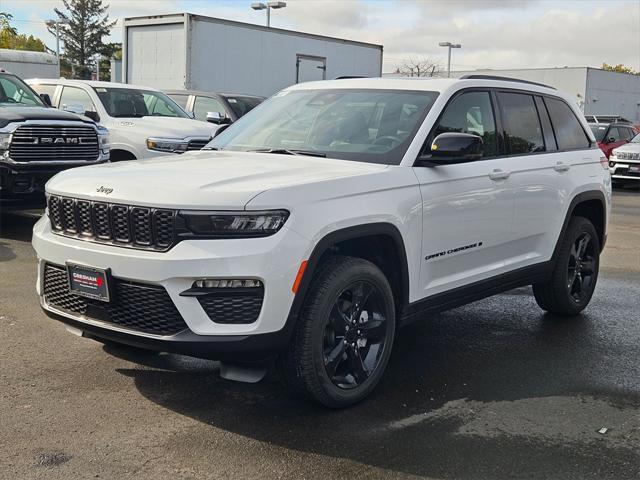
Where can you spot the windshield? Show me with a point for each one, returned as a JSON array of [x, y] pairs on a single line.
[[599, 131], [242, 105], [373, 126], [130, 102], [636, 139], [14, 91]]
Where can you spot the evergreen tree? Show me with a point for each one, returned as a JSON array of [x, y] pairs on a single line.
[[82, 36]]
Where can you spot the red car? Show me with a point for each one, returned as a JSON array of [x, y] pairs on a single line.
[[612, 135]]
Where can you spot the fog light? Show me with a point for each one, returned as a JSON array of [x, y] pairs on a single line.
[[227, 283]]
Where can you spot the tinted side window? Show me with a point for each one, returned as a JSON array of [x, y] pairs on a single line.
[[48, 89], [627, 134], [523, 132], [549, 139], [206, 104], [568, 130], [613, 135], [76, 96], [180, 99], [471, 112]]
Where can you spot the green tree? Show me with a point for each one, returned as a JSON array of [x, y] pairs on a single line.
[[620, 68], [10, 38], [82, 36]]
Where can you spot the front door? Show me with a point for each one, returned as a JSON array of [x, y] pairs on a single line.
[[467, 208]]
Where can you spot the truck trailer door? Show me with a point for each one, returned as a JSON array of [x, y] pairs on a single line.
[[310, 68]]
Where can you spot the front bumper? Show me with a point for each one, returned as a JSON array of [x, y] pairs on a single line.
[[622, 169], [273, 260]]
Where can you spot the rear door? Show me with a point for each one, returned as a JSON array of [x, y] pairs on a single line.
[[468, 207], [543, 177]]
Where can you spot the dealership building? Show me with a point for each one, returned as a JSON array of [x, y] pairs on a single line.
[[597, 91]]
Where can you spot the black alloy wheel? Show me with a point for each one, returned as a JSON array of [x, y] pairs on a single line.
[[582, 267], [354, 335]]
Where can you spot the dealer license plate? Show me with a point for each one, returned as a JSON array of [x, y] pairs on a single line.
[[89, 282]]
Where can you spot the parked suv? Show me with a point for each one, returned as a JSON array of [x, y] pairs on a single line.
[[327, 217], [36, 142], [219, 108], [624, 162], [612, 135], [143, 122]]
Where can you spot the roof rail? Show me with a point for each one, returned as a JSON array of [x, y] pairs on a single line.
[[505, 79]]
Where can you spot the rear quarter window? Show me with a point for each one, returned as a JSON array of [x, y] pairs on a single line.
[[569, 132]]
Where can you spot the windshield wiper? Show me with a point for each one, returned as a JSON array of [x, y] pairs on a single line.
[[286, 151]]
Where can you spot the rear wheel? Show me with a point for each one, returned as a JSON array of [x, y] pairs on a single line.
[[343, 338], [575, 274]]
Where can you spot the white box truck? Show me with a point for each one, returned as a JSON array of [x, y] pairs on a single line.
[[194, 52]]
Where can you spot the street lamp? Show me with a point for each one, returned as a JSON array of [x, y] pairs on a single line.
[[449, 45], [57, 23], [268, 6]]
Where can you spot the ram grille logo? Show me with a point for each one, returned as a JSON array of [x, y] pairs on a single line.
[[62, 140]]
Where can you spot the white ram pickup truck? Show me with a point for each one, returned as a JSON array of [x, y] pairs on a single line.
[[326, 218], [143, 122]]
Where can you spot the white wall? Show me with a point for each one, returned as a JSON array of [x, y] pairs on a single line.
[[29, 64], [612, 93]]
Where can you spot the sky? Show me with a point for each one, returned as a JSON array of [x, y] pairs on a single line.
[[497, 34]]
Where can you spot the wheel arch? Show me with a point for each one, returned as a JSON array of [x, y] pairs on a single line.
[[592, 205], [360, 241], [121, 154]]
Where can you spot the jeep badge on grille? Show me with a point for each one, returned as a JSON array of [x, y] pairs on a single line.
[[104, 190]]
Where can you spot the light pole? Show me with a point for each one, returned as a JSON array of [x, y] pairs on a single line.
[[57, 23], [449, 45], [268, 6]]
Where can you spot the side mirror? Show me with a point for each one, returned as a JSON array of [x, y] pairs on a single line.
[[611, 140], [92, 115], [77, 109], [217, 118], [192, 115], [221, 129], [46, 99], [449, 148]]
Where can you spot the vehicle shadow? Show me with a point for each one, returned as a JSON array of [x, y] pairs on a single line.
[[16, 227], [501, 349]]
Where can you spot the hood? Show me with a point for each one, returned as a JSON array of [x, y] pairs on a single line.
[[200, 180], [632, 147], [169, 127], [9, 114]]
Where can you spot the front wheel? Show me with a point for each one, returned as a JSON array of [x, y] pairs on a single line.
[[343, 338], [575, 274]]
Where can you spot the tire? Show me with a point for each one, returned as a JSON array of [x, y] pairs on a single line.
[[575, 274], [331, 360]]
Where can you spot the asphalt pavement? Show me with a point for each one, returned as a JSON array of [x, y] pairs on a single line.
[[494, 390]]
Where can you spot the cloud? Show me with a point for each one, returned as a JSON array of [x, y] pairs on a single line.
[[494, 34]]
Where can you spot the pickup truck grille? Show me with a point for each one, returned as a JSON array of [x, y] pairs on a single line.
[[32, 143], [122, 225]]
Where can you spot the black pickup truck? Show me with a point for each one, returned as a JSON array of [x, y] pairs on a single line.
[[37, 141]]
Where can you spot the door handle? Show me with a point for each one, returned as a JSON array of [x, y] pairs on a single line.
[[561, 167], [499, 174]]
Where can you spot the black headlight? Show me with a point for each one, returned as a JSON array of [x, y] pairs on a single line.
[[233, 224]]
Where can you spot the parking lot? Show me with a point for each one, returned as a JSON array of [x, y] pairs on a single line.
[[495, 390]]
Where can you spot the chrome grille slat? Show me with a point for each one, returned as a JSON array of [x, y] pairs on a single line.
[[117, 224], [26, 144]]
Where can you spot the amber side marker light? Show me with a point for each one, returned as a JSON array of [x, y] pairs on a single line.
[[296, 282]]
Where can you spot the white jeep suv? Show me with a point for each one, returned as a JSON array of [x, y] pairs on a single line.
[[330, 215], [143, 122]]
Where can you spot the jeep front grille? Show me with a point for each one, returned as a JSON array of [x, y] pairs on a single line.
[[122, 225], [33, 143]]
